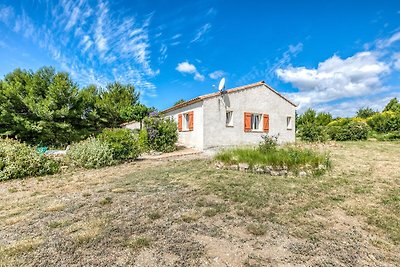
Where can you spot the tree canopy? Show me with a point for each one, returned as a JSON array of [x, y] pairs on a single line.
[[46, 107]]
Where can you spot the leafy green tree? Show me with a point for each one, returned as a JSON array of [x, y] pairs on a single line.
[[180, 101], [47, 108], [136, 113], [393, 105], [365, 113], [323, 118]]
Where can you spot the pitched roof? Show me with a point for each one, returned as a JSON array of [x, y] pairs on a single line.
[[233, 90]]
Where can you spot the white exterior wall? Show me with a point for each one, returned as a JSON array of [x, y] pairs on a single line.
[[193, 138], [132, 126], [255, 100]]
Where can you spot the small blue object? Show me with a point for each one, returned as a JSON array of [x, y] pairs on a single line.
[[41, 149]]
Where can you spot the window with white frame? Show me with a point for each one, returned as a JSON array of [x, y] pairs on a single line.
[[289, 122], [256, 122], [229, 119], [185, 122]]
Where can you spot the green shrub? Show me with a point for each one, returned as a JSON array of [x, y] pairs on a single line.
[[311, 133], [90, 153], [161, 134], [386, 136], [144, 140], [353, 130], [268, 143], [123, 142], [385, 122], [19, 160]]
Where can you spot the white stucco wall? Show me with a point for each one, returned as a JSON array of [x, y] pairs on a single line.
[[132, 125], [191, 138], [256, 100]]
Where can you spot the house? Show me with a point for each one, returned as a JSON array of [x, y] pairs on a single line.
[[132, 125], [238, 116]]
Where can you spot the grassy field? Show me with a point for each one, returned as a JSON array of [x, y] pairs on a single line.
[[185, 212]]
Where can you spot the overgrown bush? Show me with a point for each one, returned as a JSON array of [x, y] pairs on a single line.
[[385, 122], [311, 133], [123, 142], [90, 153], [268, 143], [144, 140], [385, 136], [19, 160], [161, 134], [348, 130]]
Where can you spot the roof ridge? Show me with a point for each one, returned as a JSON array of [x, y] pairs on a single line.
[[232, 90]]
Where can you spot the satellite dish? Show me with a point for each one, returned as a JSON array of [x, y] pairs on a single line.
[[221, 85]]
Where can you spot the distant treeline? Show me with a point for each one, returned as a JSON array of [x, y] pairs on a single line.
[[367, 123], [47, 108]]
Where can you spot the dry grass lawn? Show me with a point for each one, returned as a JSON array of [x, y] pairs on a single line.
[[184, 212]]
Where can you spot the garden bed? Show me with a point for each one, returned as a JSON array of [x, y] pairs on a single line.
[[275, 161]]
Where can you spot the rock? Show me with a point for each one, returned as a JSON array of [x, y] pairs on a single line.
[[283, 172], [219, 165], [243, 166], [274, 173], [321, 167], [302, 174], [259, 170], [234, 167]]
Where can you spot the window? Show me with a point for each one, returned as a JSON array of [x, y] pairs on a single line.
[[255, 122], [289, 122], [185, 124], [229, 119]]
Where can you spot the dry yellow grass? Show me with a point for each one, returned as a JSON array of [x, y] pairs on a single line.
[[170, 212]]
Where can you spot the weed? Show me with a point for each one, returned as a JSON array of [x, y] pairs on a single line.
[[154, 215], [12, 190], [105, 201], [139, 243], [257, 229]]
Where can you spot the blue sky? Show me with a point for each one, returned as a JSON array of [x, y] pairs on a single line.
[[333, 56]]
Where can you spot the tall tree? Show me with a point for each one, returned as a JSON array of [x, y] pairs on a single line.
[[393, 105]]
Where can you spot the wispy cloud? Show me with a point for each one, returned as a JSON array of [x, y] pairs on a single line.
[[6, 14], [186, 67], [89, 39], [216, 74], [201, 33], [266, 70]]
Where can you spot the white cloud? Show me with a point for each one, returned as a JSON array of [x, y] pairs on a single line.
[[336, 78], [216, 74], [100, 39], [396, 59], [186, 67], [201, 32], [351, 106], [384, 43], [6, 14]]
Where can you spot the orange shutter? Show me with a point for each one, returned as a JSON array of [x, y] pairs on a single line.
[[266, 123], [247, 122], [191, 120], [180, 122]]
